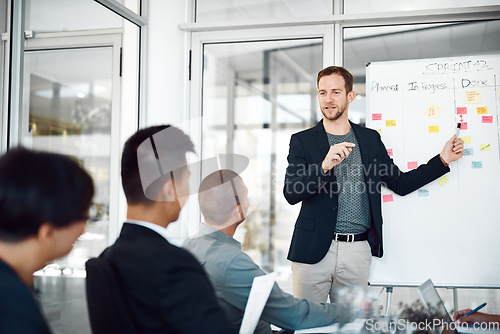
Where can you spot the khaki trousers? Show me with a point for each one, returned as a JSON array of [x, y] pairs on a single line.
[[345, 264]]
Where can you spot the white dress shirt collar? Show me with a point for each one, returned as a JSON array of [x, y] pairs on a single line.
[[157, 228]]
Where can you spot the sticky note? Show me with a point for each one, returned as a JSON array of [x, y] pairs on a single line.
[[389, 152], [482, 110], [463, 126], [468, 151], [477, 164], [433, 128], [379, 131], [462, 111], [466, 139], [433, 110], [487, 119], [472, 96], [376, 117], [423, 192], [412, 164], [390, 123], [387, 198], [442, 181], [484, 147]]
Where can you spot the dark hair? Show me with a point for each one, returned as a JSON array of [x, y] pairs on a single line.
[[348, 78], [39, 187], [159, 150], [219, 193]]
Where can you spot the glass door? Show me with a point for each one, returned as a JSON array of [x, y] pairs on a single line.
[[255, 95], [70, 103]]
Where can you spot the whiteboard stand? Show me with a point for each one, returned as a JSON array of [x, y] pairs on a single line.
[[455, 300], [389, 290]]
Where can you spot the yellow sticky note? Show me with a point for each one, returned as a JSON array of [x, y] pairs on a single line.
[[379, 131], [433, 128], [485, 147], [390, 123], [466, 139], [442, 181], [433, 110], [482, 110], [472, 96]]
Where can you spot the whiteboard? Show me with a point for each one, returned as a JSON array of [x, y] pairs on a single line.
[[449, 230]]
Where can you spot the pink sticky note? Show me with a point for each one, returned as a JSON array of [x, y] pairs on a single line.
[[462, 110], [389, 152], [376, 117], [463, 126], [487, 119], [412, 164], [387, 198]]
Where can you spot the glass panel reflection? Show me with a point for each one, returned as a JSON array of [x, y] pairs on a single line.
[[416, 41], [69, 104], [367, 6], [215, 10], [255, 96]]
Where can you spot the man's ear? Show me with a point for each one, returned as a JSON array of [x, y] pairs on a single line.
[[167, 193], [45, 234], [350, 96]]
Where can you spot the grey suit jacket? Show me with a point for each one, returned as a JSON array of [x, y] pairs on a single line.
[[232, 272]]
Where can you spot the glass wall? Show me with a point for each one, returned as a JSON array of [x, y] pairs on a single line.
[[68, 15], [80, 97], [234, 10], [255, 95], [371, 6], [69, 107], [369, 44], [3, 74]]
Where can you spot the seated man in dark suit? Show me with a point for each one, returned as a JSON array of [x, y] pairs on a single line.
[[166, 289], [44, 206]]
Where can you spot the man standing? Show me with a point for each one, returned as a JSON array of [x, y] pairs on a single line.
[[166, 289], [336, 170], [223, 199]]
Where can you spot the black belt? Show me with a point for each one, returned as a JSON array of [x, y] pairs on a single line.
[[350, 237]]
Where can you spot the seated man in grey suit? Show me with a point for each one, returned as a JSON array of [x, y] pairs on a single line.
[[224, 203], [166, 289]]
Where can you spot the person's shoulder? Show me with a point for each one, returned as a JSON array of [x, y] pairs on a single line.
[[306, 132], [368, 132]]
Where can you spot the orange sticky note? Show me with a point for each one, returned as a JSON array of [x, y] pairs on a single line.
[[482, 110], [472, 96], [433, 128], [390, 123], [462, 111], [387, 198], [412, 164]]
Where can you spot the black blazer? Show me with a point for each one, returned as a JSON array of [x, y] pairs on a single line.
[[19, 312], [305, 182], [167, 290]]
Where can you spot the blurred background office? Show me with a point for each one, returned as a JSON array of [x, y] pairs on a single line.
[[78, 77]]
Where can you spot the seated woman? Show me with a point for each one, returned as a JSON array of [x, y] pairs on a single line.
[[44, 204]]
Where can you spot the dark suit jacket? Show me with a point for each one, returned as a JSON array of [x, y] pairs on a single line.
[[305, 182], [167, 290], [19, 312]]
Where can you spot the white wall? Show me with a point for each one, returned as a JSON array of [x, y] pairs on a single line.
[[167, 63]]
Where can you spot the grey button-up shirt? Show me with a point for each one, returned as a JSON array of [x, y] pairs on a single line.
[[232, 272]]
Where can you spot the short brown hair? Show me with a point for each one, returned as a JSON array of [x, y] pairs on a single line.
[[219, 193], [348, 78]]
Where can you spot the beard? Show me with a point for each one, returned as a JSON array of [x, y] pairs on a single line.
[[336, 116]]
